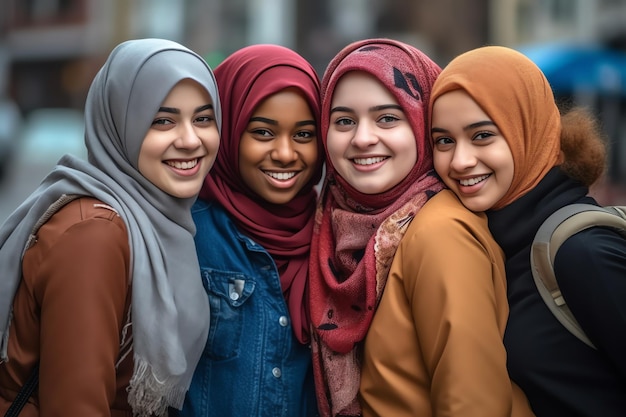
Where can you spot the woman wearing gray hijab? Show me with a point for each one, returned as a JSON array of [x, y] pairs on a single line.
[[99, 278]]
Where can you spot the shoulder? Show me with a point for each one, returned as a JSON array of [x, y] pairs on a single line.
[[448, 226], [592, 245], [444, 211], [84, 238], [92, 218]]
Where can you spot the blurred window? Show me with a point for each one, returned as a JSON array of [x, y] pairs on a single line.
[[562, 11], [27, 13]]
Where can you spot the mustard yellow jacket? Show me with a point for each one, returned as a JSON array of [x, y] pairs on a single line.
[[435, 345]]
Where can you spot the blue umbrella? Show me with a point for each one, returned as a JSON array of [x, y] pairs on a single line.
[[580, 67]]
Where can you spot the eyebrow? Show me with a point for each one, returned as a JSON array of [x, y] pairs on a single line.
[[371, 109], [468, 127], [275, 122], [174, 110]]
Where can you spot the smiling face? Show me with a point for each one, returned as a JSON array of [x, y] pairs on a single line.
[[182, 142], [370, 141], [278, 150], [470, 155]]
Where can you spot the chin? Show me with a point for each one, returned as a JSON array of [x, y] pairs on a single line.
[[185, 194], [278, 199]]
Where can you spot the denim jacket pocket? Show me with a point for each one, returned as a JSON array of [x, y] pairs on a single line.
[[228, 293]]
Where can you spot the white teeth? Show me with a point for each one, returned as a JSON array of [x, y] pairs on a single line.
[[472, 181], [368, 161], [281, 176], [183, 164]]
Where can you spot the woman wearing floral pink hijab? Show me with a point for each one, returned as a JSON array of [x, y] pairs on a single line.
[[360, 221]]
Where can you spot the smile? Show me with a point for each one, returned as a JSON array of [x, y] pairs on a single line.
[[281, 176], [369, 161], [473, 181], [183, 164]]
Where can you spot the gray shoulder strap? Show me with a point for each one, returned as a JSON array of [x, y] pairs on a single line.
[[562, 224]]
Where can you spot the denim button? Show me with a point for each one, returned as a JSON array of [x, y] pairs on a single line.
[[283, 321], [234, 296], [276, 372]]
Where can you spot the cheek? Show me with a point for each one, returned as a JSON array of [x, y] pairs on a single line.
[[335, 148], [145, 158], [211, 143], [309, 152], [440, 161], [506, 164], [250, 152], [407, 149]]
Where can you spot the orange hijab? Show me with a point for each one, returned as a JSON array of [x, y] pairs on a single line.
[[516, 95]]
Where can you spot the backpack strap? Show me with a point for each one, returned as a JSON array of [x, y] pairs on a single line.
[[24, 394], [557, 228]]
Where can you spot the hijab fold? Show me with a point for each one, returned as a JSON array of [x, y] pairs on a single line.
[[245, 79], [356, 234], [169, 308]]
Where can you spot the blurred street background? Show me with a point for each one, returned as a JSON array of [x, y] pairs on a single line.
[[51, 49]]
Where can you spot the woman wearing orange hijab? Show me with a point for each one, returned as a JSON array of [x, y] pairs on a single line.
[[502, 146]]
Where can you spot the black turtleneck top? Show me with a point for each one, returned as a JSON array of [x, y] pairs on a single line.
[[560, 375]]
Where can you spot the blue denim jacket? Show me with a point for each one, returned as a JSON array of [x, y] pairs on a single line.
[[252, 364]]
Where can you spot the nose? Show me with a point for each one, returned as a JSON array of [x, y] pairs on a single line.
[[284, 150], [188, 138], [364, 136], [463, 157]]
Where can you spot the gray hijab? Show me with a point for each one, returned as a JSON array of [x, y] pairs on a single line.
[[170, 309]]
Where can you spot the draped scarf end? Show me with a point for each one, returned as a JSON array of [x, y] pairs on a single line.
[[148, 396]]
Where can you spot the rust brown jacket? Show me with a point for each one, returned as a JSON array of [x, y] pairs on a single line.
[[68, 315], [435, 346]]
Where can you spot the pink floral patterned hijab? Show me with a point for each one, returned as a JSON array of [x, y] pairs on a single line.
[[356, 235]]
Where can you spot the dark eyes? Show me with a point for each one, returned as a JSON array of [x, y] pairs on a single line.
[[442, 141], [299, 136], [479, 138], [163, 122], [206, 119], [483, 135]]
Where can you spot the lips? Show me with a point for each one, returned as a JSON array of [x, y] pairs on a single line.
[[473, 181], [183, 164], [281, 176], [369, 161]]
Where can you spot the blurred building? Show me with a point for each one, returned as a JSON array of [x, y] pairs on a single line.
[[581, 47], [54, 47], [51, 49], [516, 22]]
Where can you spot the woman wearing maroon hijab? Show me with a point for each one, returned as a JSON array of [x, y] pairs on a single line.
[[254, 224]]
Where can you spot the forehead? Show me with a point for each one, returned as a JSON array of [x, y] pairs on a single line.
[[187, 90], [457, 106], [359, 87], [290, 99]]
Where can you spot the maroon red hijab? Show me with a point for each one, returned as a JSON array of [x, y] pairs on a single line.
[[245, 79]]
